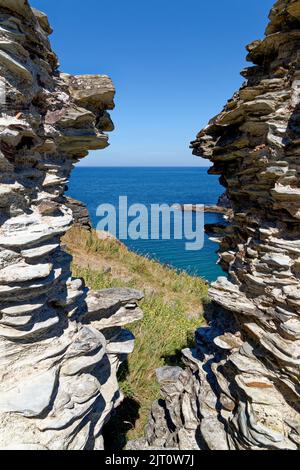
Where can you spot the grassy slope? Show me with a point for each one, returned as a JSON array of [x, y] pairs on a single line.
[[173, 308]]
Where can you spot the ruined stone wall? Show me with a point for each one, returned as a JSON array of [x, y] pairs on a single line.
[[240, 388], [60, 344]]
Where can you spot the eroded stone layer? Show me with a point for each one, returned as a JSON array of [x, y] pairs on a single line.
[[60, 344], [240, 389]]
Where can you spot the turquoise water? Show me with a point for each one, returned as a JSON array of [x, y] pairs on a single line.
[[95, 186]]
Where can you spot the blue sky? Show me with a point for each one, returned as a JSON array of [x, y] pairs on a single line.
[[174, 64]]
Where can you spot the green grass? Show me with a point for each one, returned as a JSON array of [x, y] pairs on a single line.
[[166, 329]]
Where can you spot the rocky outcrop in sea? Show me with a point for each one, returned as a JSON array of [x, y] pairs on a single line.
[[60, 343], [240, 387]]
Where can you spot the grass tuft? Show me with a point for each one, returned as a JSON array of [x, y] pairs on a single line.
[[173, 309]]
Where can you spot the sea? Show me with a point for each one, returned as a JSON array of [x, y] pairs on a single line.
[[162, 185]]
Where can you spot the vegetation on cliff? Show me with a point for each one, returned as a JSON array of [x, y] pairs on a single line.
[[173, 308]]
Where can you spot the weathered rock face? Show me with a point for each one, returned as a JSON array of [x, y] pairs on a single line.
[[60, 344], [240, 389]]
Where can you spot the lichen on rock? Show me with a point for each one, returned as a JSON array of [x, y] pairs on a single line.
[[240, 388], [60, 343]]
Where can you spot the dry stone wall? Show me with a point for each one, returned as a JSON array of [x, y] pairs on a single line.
[[240, 388], [60, 344]]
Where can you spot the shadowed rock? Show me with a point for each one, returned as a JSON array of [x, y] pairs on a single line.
[[60, 345]]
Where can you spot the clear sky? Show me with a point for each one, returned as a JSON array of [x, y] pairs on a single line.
[[174, 64]]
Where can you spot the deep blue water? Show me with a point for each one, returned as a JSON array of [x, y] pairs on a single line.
[[95, 186]]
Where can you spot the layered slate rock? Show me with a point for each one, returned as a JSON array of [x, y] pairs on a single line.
[[81, 216], [60, 344], [240, 388]]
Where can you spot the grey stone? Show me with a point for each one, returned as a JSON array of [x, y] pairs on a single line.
[[242, 377], [58, 373]]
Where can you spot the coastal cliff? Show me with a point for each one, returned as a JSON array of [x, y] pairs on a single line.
[[61, 344], [240, 387]]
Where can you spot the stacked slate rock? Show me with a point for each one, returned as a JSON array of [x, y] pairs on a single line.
[[60, 344], [81, 216], [240, 388]]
